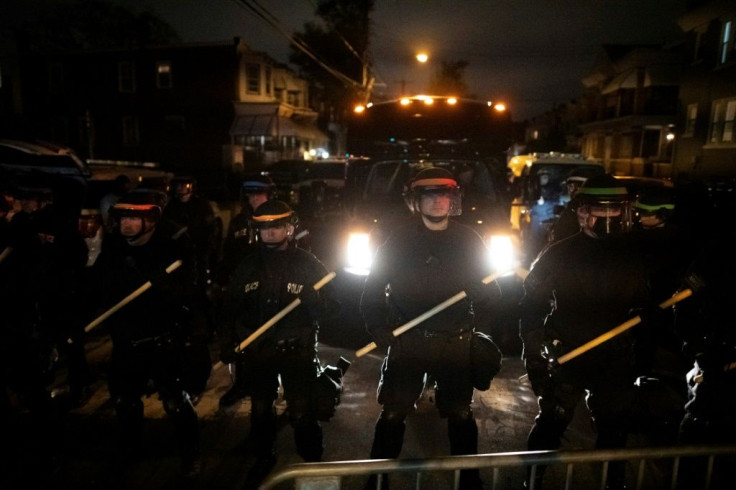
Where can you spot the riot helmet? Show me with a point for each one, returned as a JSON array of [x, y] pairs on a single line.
[[89, 222], [575, 180], [435, 181], [182, 187], [604, 207], [653, 208], [256, 189], [32, 196], [136, 215], [275, 222]]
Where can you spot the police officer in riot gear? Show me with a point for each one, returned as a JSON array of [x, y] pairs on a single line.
[[567, 223], [264, 283], [420, 265], [704, 323], [240, 241], [39, 280], [579, 288], [241, 237], [188, 209], [667, 249], [157, 342]]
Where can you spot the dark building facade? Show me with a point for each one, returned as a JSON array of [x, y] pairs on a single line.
[[185, 107]]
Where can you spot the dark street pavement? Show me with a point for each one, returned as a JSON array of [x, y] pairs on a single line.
[[87, 457]]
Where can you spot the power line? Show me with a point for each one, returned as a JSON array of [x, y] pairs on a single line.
[[261, 12]]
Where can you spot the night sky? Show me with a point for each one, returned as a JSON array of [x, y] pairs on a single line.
[[529, 53]]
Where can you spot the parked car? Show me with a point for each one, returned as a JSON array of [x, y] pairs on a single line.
[[54, 166]]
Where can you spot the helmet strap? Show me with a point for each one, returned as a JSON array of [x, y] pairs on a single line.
[[143, 236]]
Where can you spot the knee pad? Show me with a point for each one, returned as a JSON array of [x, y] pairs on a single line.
[[557, 415], [392, 416], [460, 414]]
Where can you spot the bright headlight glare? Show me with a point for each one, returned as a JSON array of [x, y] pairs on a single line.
[[358, 256], [501, 252]]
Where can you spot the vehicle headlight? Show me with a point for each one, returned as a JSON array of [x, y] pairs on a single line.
[[358, 255], [501, 252]]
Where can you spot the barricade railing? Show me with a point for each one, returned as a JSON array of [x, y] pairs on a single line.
[[329, 475]]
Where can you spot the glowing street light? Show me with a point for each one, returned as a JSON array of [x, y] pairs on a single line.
[[422, 57]]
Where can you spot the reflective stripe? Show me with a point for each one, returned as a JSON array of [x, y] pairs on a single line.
[[134, 207], [599, 191], [272, 217], [434, 182], [654, 207]]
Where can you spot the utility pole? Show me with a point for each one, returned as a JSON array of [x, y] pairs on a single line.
[[403, 84]]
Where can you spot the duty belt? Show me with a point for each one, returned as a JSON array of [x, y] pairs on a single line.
[[156, 340], [439, 334]]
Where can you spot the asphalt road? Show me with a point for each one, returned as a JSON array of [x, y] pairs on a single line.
[[87, 457]]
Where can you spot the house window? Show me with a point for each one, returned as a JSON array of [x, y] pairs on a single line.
[[293, 98], [56, 78], [126, 77], [692, 115], [268, 80], [279, 94], [131, 135], [253, 78], [727, 45], [59, 129], [163, 74], [722, 121]]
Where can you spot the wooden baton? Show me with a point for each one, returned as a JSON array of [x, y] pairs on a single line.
[[145, 287]]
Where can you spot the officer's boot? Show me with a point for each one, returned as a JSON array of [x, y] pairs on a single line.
[[263, 434], [463, 434], [238, 390], [186, 425], [388, 439], [546, 433], [129, 414], [308, 439], [612, 433]]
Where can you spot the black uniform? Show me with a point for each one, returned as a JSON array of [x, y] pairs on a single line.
[[265, 283], [565, 225], [578, 289], [705, 323], [239, 242], [421, 268], [197, 216], [39, 279], [154, 338]]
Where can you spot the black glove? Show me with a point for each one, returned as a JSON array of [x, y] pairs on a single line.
[[537, 369], [651, 316], [383, 337], [228, 354]]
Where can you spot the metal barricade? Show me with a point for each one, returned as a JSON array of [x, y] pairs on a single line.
[[328, 476]]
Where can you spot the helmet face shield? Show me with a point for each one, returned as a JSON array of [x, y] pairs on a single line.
[[603, 207], [267, 225], [144, 213], [452, 193], [435, 182], [274, 215], [606, 218]]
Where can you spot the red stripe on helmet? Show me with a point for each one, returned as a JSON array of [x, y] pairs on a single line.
[[434, 182]]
